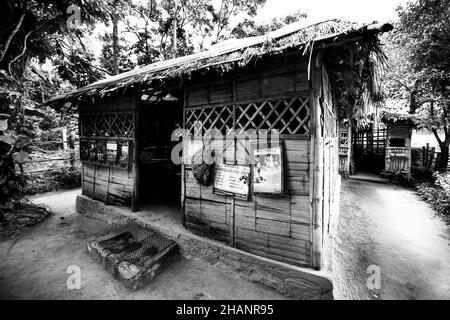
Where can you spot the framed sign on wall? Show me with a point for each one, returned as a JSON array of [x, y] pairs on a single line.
[[232, 180], [111, 152], [114, 153], [268, 170]]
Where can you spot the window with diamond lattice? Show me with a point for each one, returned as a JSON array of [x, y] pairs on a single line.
[[288, 116], [204, 120], [119, 125]]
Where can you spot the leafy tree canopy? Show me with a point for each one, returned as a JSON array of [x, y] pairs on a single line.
[[418, 80]]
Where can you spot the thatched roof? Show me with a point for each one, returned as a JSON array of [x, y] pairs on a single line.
[[231, 54], [392, 117]]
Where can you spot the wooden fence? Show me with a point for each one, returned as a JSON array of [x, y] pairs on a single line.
[[72, 157]]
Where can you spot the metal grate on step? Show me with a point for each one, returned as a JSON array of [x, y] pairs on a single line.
[[136, 245]]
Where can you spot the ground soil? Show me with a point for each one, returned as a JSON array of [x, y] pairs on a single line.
[[379, 224], [390, 227], [34, 266]]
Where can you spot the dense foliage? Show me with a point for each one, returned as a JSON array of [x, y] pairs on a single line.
[[418, 80], [437, 194], [52, 180], [41, 56]]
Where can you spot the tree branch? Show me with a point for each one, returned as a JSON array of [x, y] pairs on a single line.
[[25, 44], [402, 84], [434, 131], [218, 19], [21, 54], [11, 36]]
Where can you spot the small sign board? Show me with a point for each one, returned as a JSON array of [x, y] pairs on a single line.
[[233, 180], [111, 152], [268, 170]]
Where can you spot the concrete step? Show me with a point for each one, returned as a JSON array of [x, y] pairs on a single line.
[[132, 255]]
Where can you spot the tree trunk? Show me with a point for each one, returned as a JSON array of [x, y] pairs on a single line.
[[175, 27], [115, 44], [442, 163]]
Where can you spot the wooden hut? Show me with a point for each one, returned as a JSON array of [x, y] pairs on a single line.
[[398, 146], [382, 147], [285, 87]]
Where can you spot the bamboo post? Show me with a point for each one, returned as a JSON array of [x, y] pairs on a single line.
[[93, 181], [318, 203], [316, 170], [135, 159], [233, 201], [423, 157], [107, 185], [432, 154], [232, 223], [183, 166], [410, 151], [349, 150], [82, 179], [80, 135], [64, 138]]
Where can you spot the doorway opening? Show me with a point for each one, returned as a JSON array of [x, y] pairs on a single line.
[[369, 149], [159, 177]]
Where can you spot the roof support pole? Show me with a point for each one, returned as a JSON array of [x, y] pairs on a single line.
[[316, 167], [136, 157]]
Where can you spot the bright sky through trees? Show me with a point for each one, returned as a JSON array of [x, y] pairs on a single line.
[[319, 10]]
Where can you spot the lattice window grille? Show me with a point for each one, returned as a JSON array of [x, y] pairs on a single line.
[[120, 125], [219, 118], [287, 116]]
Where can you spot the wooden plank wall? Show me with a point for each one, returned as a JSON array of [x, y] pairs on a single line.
[[331, 177], [269, 226], [281, 77], [107, 184], [111, 185]]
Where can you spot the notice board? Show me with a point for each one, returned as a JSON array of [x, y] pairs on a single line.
[[268, 170], [232, 180]]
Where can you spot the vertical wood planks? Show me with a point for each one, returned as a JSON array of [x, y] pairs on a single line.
[[277, 227]]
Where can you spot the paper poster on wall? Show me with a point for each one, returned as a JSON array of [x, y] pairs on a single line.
[[123, 153], [233, 180], [268, 170], [111, 152]]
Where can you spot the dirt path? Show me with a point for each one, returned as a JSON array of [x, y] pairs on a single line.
[[390, 227], [35, 266]]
